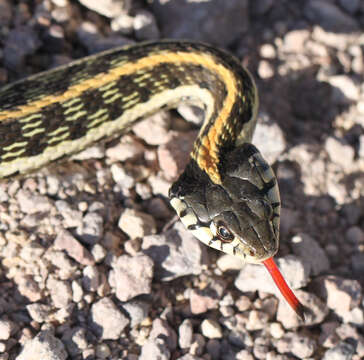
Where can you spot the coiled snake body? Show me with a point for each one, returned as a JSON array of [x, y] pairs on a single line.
[[227, 195]]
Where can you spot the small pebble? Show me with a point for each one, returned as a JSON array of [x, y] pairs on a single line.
[[108, 321], [185, 332], [211, 329], [46, 344]]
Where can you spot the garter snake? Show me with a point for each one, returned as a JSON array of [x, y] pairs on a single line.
[[227, 195]]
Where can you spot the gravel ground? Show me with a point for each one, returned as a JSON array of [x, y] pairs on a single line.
[[90, 268]]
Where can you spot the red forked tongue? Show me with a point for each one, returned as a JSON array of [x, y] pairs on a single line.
[[283, 287]]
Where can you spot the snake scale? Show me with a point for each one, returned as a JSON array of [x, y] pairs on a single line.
[[227, 196]]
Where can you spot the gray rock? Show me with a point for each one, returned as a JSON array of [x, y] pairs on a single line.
[[175, 253], [161, 330], [29, 288], [75, 340], [311, 253], [289, 220], [107, 320], [71, 217], [137, 311], [352, 213], [240, 337], [21, 42], [357, 263], [315, 311], [185, 332], [341, 294], [328, 336], [351, 6], [257, 320], [198, 345], [46, 345], [92, 228], [145, 26], [155, 349], [108, 8], [133, 276], [39, 312], [260, 7], [299, 345], [60, 260], [103, 351], [60, 291], [255, 277], [91, 278], [33, 203], [329, 16], [342, 351], [355, 235], [261, 347], [218, 22], [5, 13], [189, 357], [65, 241], [268, 138], [213, 349], [347, 331], [89, 36]]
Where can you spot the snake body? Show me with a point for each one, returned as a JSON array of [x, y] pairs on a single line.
[[227, 195]]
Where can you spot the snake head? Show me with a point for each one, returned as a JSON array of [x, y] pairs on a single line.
[[239, 216]]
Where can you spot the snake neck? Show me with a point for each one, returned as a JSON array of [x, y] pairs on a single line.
[[62, 111]]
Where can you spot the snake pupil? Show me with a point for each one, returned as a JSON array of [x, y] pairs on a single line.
[[224, 234]]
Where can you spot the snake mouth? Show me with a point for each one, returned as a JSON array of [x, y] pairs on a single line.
[[257, 248], [253, 259]]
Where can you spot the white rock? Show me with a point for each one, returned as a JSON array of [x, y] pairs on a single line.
[[346, 89], [108, 8], [211, 329], [44, 346]]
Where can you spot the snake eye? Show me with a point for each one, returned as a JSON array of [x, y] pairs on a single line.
[[224, 233]]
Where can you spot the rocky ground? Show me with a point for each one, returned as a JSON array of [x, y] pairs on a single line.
[[92, 267]]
